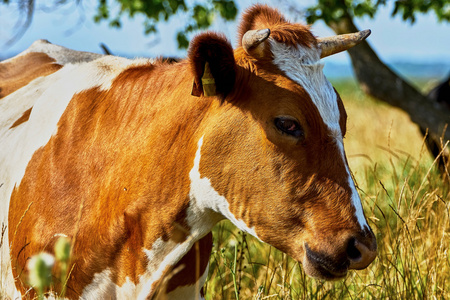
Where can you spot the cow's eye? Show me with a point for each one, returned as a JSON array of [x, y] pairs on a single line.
[[289, 126]]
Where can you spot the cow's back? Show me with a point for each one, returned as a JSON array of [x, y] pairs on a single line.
[[40, 59]]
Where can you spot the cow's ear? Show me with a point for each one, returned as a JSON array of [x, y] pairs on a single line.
[[212, 63]]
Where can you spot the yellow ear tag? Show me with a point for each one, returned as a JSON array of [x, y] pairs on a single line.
[[208, 82]]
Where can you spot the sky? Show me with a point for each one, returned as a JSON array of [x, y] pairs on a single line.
[[394, 40]]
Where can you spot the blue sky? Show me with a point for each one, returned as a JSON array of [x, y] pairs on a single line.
[[392, 39]]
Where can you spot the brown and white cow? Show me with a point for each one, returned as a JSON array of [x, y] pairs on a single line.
[[117, 155]]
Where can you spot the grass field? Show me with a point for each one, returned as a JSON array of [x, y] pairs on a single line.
[[406, 202]]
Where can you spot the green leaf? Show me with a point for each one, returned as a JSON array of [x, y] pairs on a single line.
[[149, 27], [115, 23], [102, 11], [182, 40], [226, 8], [202, 16]]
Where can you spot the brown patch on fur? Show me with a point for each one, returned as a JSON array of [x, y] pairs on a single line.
[[194, 264], [22, 70], [262, 16], [25, 116]]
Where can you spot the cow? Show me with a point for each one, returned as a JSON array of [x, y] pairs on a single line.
[[136, 160]]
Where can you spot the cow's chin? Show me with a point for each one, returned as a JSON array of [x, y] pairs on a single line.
[[318, 271], [319, 266]]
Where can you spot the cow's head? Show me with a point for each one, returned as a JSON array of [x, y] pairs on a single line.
[[272, 158]]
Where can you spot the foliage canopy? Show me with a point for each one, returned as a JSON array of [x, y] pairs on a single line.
[[200, 16], [332, 10], [196, 15]]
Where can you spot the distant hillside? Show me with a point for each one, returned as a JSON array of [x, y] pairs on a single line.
[[405, 69], [408, 70]]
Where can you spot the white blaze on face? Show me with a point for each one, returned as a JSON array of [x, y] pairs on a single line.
[[303, 66], [48, 97], [356, 200]]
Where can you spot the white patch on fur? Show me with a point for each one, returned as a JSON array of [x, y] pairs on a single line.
[[171, 252], [48, 96], [303, 66], [60, 54], [206, 197], [161, 257], [102, 287], [356, 200]]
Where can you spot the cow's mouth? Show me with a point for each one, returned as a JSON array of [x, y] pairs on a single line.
[[319, 265]]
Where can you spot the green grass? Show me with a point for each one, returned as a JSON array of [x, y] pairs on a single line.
[[406, 202]]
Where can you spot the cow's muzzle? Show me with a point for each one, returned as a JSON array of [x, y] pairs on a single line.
[[357, 252]]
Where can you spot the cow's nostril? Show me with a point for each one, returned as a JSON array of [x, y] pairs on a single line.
[[353, 253], [361, 251]]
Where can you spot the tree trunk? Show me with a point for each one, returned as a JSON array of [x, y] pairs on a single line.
[[377, 80]]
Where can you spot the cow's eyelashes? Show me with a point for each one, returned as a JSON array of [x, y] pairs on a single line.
[[290, 126]]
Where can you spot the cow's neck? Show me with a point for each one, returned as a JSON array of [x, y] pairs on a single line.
[[172, 217]]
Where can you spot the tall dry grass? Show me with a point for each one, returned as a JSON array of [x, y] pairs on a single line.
[[406, 202]]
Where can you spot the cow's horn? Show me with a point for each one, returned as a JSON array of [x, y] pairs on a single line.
[[335, 44], [252, 39]]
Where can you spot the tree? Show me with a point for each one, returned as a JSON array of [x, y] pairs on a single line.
[[377, 79], [200, 14]]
